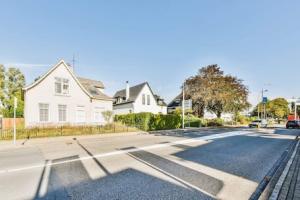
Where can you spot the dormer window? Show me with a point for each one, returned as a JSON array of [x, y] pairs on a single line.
[[61, 86]]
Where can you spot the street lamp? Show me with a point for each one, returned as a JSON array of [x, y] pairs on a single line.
[[263, 101], [183, 87]]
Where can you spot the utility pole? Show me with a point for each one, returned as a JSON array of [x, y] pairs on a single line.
[[15, 108], [264, 103], [73, 62], [183, 104], [295, 115]]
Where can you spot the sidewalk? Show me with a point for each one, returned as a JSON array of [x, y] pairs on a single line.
[[288, 185], [22, 143]]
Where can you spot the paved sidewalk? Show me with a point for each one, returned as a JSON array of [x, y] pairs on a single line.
[[288, 185]]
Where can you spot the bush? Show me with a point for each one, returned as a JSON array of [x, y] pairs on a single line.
[[196, 122], [149, 121], [215, 122]]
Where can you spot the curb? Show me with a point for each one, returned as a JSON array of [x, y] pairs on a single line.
[[265, 187]]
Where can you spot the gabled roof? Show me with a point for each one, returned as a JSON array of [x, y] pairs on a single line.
[[174, 102], [133, 92], [85, 81], [160, 101], [90, 87]]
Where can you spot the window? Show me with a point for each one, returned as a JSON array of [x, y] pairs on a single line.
[[143, 99], [98, 117], [65, 86], [62, 113], [44, 112], [61, 86], [148, 99], [58, 85], [80, 114]]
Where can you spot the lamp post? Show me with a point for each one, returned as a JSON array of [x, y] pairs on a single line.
[[15, 108], [264, 103], [183, 86]]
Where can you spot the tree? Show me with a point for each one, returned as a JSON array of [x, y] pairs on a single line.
[[14, 82], [2, 85], [276, 108], [107, 115], [210, 89]]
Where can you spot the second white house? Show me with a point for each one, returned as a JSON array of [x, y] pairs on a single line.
[[138, 98]]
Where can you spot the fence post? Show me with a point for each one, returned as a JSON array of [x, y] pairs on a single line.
[[114, 128], [61, 131]]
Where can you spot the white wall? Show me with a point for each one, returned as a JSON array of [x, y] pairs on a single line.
[[224, 116], [123, 109], [153, 107], [44, 92]]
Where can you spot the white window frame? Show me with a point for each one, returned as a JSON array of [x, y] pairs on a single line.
[[80, 109], [148, 99], [98, 116], [143, 99], [44, 117], [62, 113], [61, 86]]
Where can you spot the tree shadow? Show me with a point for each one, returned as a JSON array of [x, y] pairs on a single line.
[[245, 156], [71, 181], [181, 173]]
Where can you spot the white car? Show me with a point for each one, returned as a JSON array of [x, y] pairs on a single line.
[[260, 123]]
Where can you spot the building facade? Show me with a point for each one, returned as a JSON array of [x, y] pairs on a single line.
[[138, 98], [59, 97]]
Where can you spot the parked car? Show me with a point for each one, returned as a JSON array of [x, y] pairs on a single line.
[[259, 123], [293, 124]]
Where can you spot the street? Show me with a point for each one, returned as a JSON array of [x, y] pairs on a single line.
[[213, 163]]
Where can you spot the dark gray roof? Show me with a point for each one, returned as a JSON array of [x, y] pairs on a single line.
[[133, 92], [176, 101], [93, 86], [160, 101]]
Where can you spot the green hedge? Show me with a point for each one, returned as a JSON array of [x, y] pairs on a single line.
[[200, 122], [215, 122], [149, 121]]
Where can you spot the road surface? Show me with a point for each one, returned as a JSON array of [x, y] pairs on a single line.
[[223, 163]]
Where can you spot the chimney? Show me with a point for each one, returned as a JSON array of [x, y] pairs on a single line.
[[127, 91]]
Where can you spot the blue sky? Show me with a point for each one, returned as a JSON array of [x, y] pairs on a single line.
[[162, 42]]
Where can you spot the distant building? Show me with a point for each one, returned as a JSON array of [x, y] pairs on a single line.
[[176, 103], [59, 97], [138, 98]]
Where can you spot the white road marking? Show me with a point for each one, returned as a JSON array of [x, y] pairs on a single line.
[[120, 152]]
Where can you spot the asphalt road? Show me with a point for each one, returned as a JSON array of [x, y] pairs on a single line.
[[209, 164]]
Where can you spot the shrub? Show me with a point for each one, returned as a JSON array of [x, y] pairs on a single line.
[[149, 121], [215, 122], [196, 122]]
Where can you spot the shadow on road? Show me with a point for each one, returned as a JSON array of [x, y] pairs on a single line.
[[68, 178], [245, 155], [181, 173]]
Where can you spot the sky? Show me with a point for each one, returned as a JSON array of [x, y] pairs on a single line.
[[159, 41]]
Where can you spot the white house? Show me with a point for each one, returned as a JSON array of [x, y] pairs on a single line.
[[60, 97], [138, 98]]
